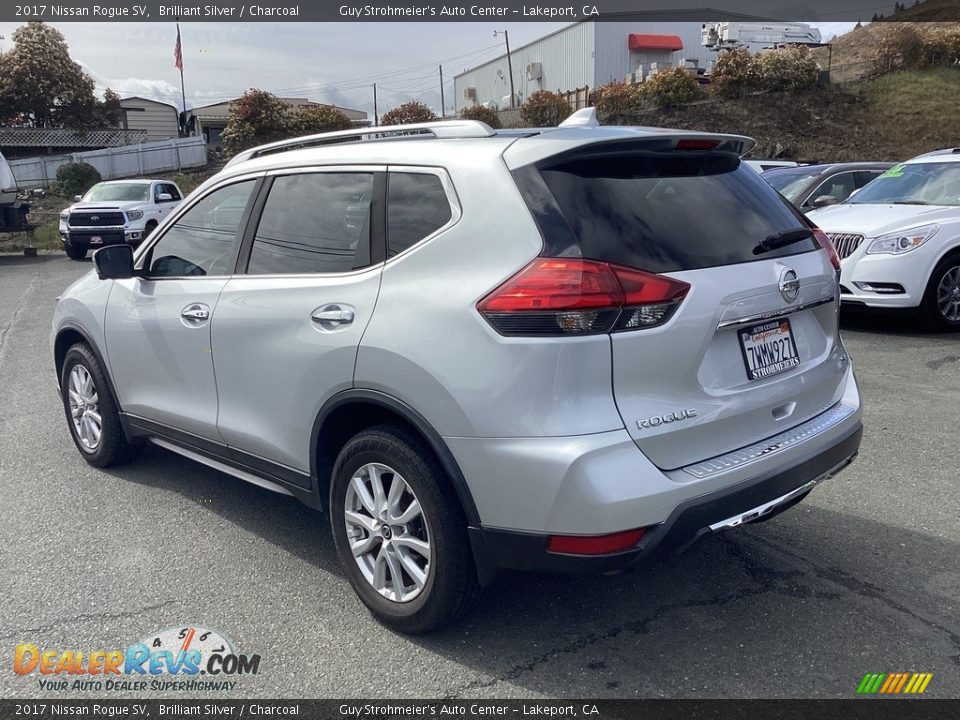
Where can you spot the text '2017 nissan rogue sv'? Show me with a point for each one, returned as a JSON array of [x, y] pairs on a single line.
[[561, 349]]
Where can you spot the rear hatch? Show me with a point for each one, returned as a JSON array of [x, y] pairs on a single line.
[[751, 347]]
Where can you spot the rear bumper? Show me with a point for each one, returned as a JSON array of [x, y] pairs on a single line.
[[756, 499]]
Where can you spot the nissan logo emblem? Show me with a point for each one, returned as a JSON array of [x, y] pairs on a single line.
[[789, 285]]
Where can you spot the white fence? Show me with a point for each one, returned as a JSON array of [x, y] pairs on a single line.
[[117, 162]]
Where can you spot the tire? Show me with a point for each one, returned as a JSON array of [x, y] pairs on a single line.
[[75, 252], [448, 583], [941, 301], [84, 390], [150, 227]]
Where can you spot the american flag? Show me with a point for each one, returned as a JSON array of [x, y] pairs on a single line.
[[178, 52]]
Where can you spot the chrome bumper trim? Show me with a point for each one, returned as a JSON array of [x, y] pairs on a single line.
[[778, 443], [773, 315]]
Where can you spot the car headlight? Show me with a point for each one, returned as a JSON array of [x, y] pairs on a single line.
[[134, 214], [65, 215], [900, 242]]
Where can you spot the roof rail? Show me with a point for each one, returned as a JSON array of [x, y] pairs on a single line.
[[438, 129]]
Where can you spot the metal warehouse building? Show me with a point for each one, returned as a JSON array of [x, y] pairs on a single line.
[[588, 53]]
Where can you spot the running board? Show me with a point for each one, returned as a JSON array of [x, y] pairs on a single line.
[[222, 467]]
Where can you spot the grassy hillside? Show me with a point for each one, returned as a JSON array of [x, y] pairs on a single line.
[[893, 117]]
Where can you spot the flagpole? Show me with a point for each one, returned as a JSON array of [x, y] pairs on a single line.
[[183, 92]]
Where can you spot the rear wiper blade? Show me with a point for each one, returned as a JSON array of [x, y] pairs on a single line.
[[779, 240]]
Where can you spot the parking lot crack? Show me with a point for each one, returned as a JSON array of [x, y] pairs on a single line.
[[862, 588], [87, 617], [640, 626], [24, 297]]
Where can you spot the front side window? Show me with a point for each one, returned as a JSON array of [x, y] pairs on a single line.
[[314, 223], [417, 206], [837, 186], [203, 240]]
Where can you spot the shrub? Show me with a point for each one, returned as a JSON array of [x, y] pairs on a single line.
[[907, 46], [317, 119], [410, 112], [618, 103], [77, 178], [544, 109], [671, 88], [789, 68], [484, 115], [736, 72]]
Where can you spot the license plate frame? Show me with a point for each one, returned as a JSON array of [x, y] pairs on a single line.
[[782, 334]]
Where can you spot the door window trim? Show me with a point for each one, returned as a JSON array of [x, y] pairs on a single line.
[[183, 208], [377, 239]]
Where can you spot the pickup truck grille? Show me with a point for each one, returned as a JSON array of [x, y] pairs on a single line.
[[96, 219], [845, 243]]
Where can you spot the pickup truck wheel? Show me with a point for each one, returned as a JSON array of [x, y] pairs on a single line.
[[74, 252], [150, 227], [400, 531]]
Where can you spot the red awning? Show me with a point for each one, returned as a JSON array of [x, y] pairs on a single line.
[[663, 43]]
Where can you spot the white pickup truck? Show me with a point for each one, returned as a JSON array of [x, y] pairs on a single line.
[[118, 211]]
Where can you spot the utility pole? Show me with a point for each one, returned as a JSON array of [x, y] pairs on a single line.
[[506, 39], [443, 107], [376, 119]]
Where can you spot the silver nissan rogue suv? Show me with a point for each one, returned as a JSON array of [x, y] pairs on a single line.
[[554, 349]]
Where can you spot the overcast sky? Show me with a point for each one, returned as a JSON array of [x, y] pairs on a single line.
[[333, 63]]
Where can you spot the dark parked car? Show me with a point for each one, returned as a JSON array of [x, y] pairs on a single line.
[[816, 186]]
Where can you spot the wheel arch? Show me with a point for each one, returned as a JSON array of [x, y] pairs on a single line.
[[351, 411], [68, 336]]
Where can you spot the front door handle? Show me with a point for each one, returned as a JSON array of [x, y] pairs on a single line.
[[332, 316], [195, 314]]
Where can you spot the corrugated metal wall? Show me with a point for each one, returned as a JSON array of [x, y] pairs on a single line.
[[588, 53], [566, 58], [613, 59]]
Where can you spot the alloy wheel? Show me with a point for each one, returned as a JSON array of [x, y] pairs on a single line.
[[387, 532], [948, 294], [85, 407]]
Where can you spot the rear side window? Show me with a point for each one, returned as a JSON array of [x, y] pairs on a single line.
[[661, 213], [314, 223], [417, 206]]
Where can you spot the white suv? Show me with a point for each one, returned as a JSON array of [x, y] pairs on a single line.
[[570, 348], [118, 211], [899, 239]]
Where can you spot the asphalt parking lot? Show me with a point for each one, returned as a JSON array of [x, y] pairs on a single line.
[[864, 576]]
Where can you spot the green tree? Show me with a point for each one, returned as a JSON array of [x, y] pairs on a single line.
[[258, 117], [408, 113], [110, 111], [40, 85]]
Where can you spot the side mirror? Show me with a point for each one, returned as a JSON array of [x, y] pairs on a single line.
[[114, 262], [824, 200], [77, 198], [164, 197]]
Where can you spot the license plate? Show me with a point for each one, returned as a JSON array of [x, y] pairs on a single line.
[[96, 240], [768, 349]]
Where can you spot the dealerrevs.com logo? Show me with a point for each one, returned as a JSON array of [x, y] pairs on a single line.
[[189, 658]]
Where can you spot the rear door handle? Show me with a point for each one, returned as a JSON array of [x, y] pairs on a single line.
[[331, 316]]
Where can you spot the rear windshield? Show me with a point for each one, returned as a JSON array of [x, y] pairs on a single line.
[[659, 212]]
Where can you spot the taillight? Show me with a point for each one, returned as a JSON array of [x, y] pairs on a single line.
[[827, 244], [572, 296]]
